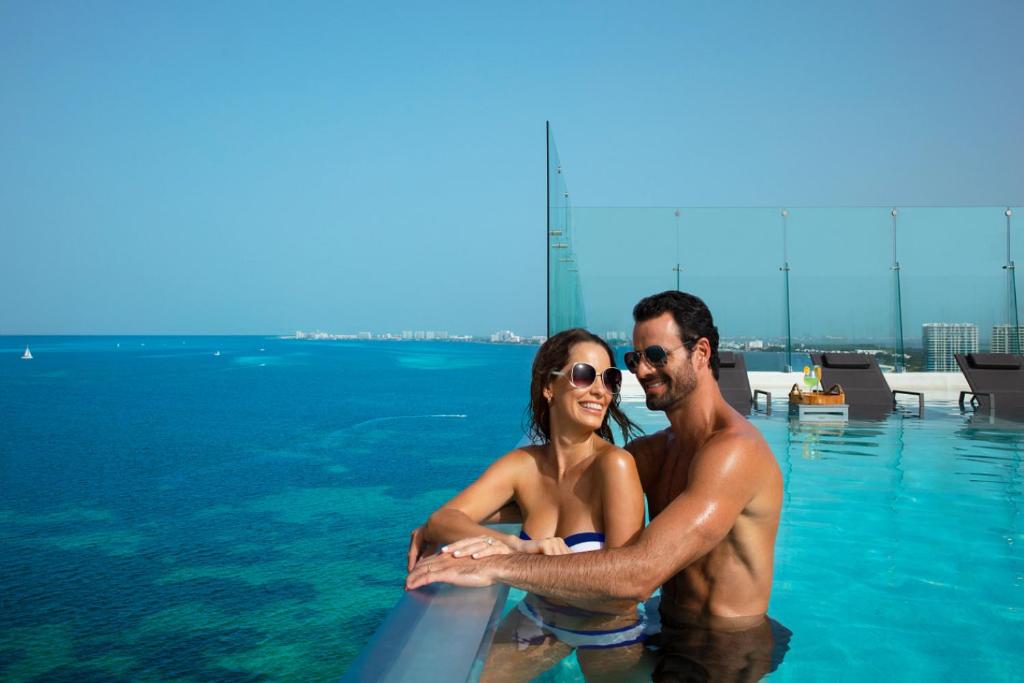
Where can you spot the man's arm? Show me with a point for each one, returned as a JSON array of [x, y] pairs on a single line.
[[723, 479]]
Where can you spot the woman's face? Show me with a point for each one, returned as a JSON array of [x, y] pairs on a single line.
[[584, 407]]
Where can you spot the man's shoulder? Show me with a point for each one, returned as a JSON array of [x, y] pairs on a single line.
[[741, 441], [649, 443]]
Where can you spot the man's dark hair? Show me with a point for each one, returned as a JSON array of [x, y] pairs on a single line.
[[691, 315]]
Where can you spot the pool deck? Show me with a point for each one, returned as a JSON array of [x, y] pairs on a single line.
[[936, 386]]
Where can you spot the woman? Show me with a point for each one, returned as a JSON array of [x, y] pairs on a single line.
[[577, 492]]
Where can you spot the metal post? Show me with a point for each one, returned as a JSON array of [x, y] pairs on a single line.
[[785, 286], [564, 289], [547, 232], [900, 365], [678, 269], [1012, 315]]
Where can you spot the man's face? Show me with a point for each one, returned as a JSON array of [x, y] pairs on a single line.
[[676, 379]]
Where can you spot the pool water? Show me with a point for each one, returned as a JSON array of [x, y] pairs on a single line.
[[901, 549]]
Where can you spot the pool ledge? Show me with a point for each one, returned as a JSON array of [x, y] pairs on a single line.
[[435, 633]]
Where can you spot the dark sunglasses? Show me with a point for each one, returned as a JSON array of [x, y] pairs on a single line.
[[656, 356], [583, 375]]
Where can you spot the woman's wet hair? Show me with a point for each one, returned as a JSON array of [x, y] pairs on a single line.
[[552, 356]]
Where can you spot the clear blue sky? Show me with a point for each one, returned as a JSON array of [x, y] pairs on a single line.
[[261, 167]]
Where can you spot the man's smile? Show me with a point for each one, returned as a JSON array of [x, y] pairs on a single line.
[[653, 384]]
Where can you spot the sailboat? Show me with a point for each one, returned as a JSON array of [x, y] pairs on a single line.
[[27, 355], [216, 353]]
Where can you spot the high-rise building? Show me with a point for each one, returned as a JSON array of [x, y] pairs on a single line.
[[943, 340], [1003, 340]]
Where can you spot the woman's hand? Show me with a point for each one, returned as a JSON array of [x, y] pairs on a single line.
[[482, 546], [546, 546]]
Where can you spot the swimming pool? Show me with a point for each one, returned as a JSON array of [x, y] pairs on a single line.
[[901, 548]]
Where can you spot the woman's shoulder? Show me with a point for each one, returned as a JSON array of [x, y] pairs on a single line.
[[523, 456], [614, 461]]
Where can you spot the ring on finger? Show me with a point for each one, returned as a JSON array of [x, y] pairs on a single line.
[[488, 540]]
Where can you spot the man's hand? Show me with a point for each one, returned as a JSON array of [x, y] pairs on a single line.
[[456, 571]]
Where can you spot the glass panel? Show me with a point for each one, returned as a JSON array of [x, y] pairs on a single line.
[[840, 279], [954, 283], [874, 279], [731, 258], [565, 298]]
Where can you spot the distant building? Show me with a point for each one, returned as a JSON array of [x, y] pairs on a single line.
[[942, 340], [364, 335], [615, 335], [406, 334], [1003, 340], [419, 334], [755, 345], [506, 336]]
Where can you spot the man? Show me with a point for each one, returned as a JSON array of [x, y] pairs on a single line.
[[714, 492]]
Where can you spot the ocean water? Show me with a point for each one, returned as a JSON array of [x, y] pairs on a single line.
[[166, 513]]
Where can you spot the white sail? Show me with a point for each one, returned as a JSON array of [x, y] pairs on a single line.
[[27, 355]]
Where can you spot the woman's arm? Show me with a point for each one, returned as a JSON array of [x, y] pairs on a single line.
[[622, 498], [461, 516]]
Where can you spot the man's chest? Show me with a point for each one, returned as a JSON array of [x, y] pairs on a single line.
[[667, 481]]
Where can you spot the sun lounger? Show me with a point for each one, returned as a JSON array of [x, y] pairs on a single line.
[[735, 385], [996, 381], [867, 392]]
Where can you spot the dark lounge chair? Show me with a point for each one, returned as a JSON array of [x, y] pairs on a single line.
[[996, 381], [867, 392], [735, 385]]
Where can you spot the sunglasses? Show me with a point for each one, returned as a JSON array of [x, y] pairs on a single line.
[[583, 376], [655, 355]]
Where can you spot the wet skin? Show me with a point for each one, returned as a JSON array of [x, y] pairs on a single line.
[[715, 493]]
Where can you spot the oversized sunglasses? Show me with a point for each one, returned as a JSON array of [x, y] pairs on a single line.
[[655, 355], [583, 375]]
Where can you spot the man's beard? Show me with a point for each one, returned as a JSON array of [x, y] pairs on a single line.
[[676, 389]]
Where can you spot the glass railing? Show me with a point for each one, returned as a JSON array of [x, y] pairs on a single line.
[[436, 633], [565, 295], [788, 279]]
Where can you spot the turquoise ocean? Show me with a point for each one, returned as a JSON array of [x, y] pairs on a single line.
[[171, 513], [168, 513]]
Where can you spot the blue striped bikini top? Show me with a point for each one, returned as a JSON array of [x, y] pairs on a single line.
[[578, 543]]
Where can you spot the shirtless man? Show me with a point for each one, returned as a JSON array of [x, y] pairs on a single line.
[[714, 493]]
